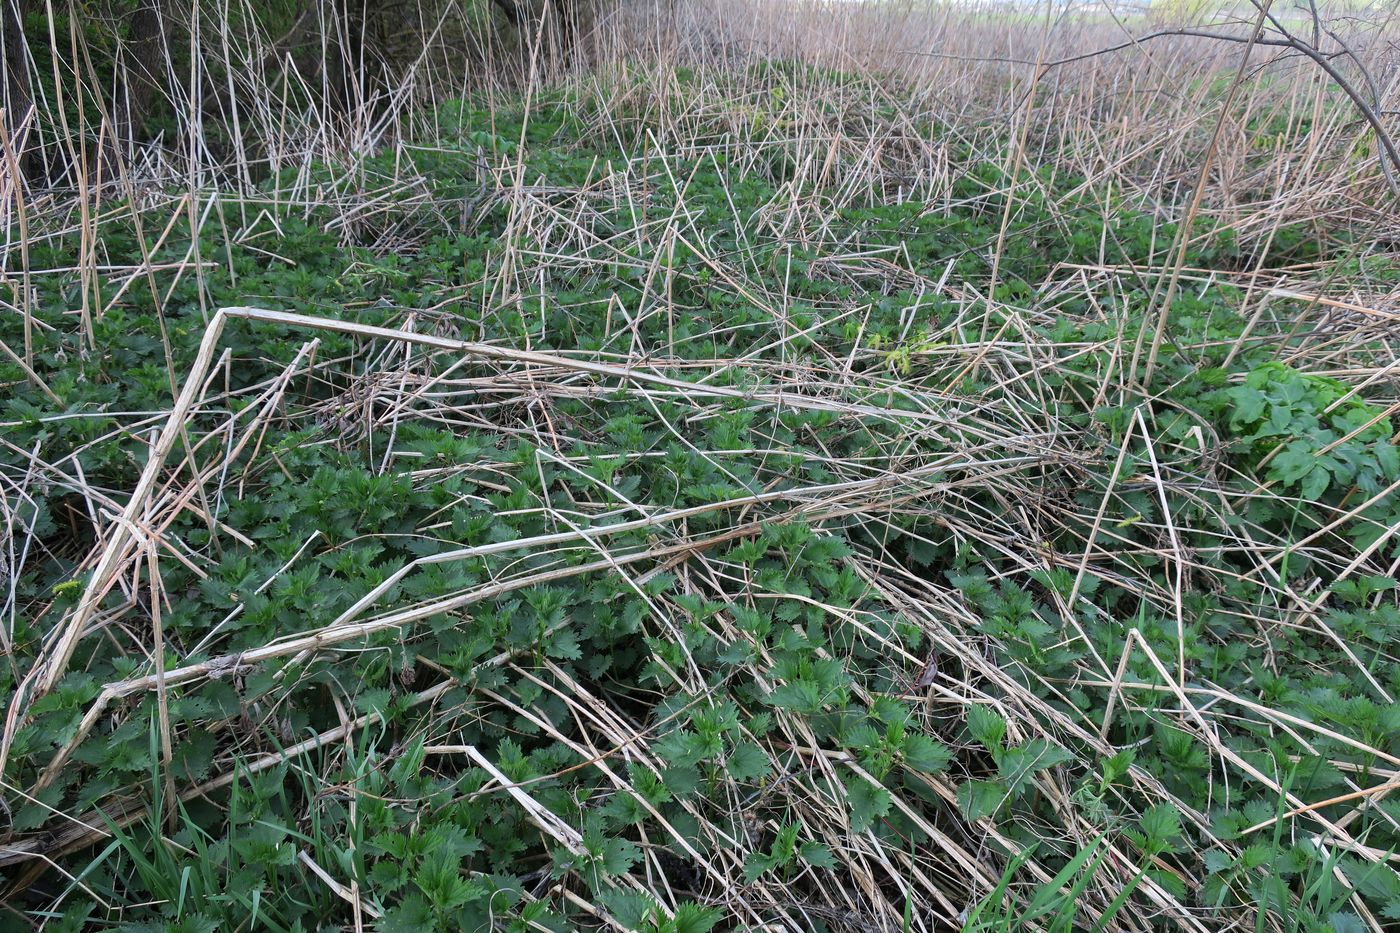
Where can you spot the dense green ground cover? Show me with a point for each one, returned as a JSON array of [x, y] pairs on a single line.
[[757, 706]]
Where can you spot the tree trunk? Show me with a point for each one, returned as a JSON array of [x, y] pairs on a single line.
[[17, 101], [143, 78]]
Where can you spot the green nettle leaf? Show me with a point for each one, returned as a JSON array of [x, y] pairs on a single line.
[[1388, 458], [1249, 404], [195, 923], [817, 855], [629, 908], [412, 915], [978, 799], [682, 780], [924, 754], [986, 725], [1016, 766], [801, 696], [868, 803], [756, 864], [1346, 923], [361, 458], [785, 843], [1117, 765], [1377, 881], [626, 808], [1316, 482], [619, 855], [1217, 861], [388, 875], [441, 881], [693, 918], [564, 644], [1161, 825], [748, 763]]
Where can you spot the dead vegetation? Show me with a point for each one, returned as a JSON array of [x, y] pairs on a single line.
[[927, 284]]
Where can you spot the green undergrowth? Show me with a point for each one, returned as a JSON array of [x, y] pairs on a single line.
[[783, 644]]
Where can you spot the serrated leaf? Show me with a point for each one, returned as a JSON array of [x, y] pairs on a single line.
[[924, 754], [629, 908], [564, 644], [1316, 482], [748, 763], [1346, 923], [1117, 764], [1217, 861], [1016, 766], [1160, 823], [693, 918], [800, 696], [978, 799], [411, 915], [756, 864], [868, 803], [619, 855], [986, 725], [818, 855]]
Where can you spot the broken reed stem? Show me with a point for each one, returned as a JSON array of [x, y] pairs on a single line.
[[338, 633], [47, 672], [52, 665]]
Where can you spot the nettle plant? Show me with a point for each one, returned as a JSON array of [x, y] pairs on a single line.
[[1312, 434]]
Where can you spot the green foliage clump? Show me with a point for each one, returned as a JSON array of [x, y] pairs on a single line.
[[1313, 432]]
